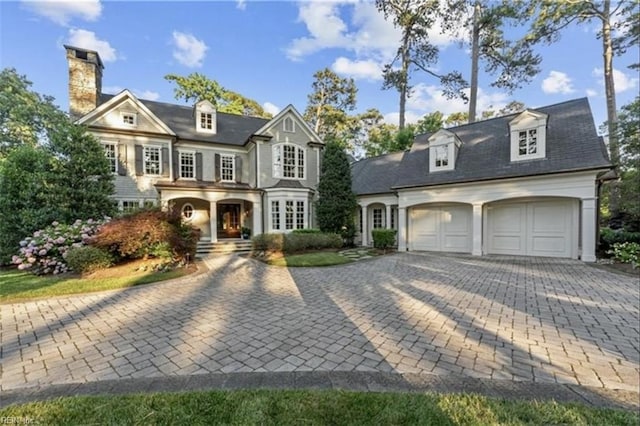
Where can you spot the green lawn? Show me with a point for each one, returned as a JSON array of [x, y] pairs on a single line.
[[268, 407], [324, 258], [20, 286]]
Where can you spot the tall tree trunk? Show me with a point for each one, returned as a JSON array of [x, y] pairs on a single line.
[[612, 114], [404, 79], [475, 57]]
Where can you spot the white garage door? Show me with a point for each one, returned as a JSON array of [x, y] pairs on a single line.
[[540, 228], [444, 228]]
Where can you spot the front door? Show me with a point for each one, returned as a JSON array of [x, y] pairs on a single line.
[[228, 220]]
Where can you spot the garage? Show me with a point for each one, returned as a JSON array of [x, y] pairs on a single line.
[[535, 228], [440, 228]]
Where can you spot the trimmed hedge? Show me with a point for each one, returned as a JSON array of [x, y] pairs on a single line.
[[306, 231], [295, 242], [383, 238], [87, 259], [609, 237]]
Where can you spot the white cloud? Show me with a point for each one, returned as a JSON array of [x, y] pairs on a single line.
[[365, 69], [241, 4], [141, 94], [62, 11], [557, 82], [271, 108], [88, 40], [621, 81], [189, 51], [113, 90], [410, 117], [591, 93], [326, 29]]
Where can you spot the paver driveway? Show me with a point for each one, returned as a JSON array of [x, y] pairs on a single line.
[[524, 319]]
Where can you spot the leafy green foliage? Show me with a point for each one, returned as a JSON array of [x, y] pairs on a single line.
[[87, 259], [148, 233], [294, 242], [609, 237], [50, 168], [627, 253], [383, 238], [337, 203], [387, 139], [306, 231], [197, 87], [429, 123]]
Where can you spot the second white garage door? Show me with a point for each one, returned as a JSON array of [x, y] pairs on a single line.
[[538, 228], [442, 228]]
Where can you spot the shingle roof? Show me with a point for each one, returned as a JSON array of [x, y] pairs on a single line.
[[572, 144], [231, 129], [375, 175]]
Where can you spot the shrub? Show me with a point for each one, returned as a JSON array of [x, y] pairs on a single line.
[[87, 259], [626, 253], [268, 242], [306, 231], [609, 237], [45, 252], [383, 238], [148, 233], [295, 242]]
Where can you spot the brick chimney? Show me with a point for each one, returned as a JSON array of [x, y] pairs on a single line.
[[85, 80]]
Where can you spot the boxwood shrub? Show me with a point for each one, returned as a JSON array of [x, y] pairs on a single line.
[[295, 242], [383, 238], [87, 259]]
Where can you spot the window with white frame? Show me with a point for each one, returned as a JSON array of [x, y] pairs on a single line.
[[442, 155], [288, 161], [152, 160], [187, 165], [288, 215], [111, 152], [275, 215], [130, 206], [227, 169], [377, 218], [187, 211], [288, 125], [206, 121], [300, 214], [129, 118], [528, 142]]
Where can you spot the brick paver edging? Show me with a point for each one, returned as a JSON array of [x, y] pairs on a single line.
[[344, 380]]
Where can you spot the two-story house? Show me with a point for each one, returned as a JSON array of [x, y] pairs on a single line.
[[523, 184], [222, 171]]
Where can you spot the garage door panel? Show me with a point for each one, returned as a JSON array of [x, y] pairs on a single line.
[[548, 218], [456, 243], [507, 219], [506, 229], [455, 220], [444, 228], [548, 246]]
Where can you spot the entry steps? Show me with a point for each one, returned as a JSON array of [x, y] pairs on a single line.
[[231, 245]]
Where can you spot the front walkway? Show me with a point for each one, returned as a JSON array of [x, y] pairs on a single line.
[[547, 321]]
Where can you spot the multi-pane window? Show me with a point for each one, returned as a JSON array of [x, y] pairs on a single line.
[[187, 165], [130, 206], [442, 156], [187, 211], [227, 171], [288, 125], [528, 142], [128, 118], [299, 214], [394, 211], [288, 215], [288, 161], [377, 218], [149, 204], [111, 152], [151, 160], [206, 120], [275, 215]]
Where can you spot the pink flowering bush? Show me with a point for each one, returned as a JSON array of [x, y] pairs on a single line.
[[45, 252]]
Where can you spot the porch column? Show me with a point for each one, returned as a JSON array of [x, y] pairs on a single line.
[[388, 218], [402, 229], [588, 230], [213, 221], [257, 218], [365, 233], [477, 230]]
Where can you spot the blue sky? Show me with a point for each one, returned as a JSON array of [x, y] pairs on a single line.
[[268, 51]]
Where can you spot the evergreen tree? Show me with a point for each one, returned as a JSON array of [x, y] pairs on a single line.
[[337, 204]]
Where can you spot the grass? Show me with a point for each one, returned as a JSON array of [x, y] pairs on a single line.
[[323, 258], [20, 286], [268, 407]]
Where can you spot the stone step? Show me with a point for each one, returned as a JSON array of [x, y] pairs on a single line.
[[224, 246]]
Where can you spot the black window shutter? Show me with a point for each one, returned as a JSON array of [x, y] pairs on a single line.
[[165, 162], [198, 166], [217, 168], [139, 160], [122, 159], [176, 164], [238, 169]]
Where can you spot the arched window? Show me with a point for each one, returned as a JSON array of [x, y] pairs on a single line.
[[187, 211], [288, 161]]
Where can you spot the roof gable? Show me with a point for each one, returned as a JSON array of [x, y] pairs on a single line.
[[270, 126]]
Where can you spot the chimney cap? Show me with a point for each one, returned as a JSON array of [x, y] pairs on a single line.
[[75, 50]]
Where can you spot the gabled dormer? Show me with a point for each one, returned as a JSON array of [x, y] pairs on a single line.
[[443, 150], [205, 117], [528, 135]]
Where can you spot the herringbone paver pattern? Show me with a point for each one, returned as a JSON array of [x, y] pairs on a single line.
[[521, 319]]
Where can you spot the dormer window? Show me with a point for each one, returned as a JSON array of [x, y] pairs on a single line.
[[443, 148], [288, 125], [129, 119], [528, 136], [205, 117]]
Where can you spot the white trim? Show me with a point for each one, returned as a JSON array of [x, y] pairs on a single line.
[[278, 172], [205, 107], [193, 212], [179, 171], [115, 145], [134, 115], [301, 122], [526, 122], [144, 163], [233, 167]]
